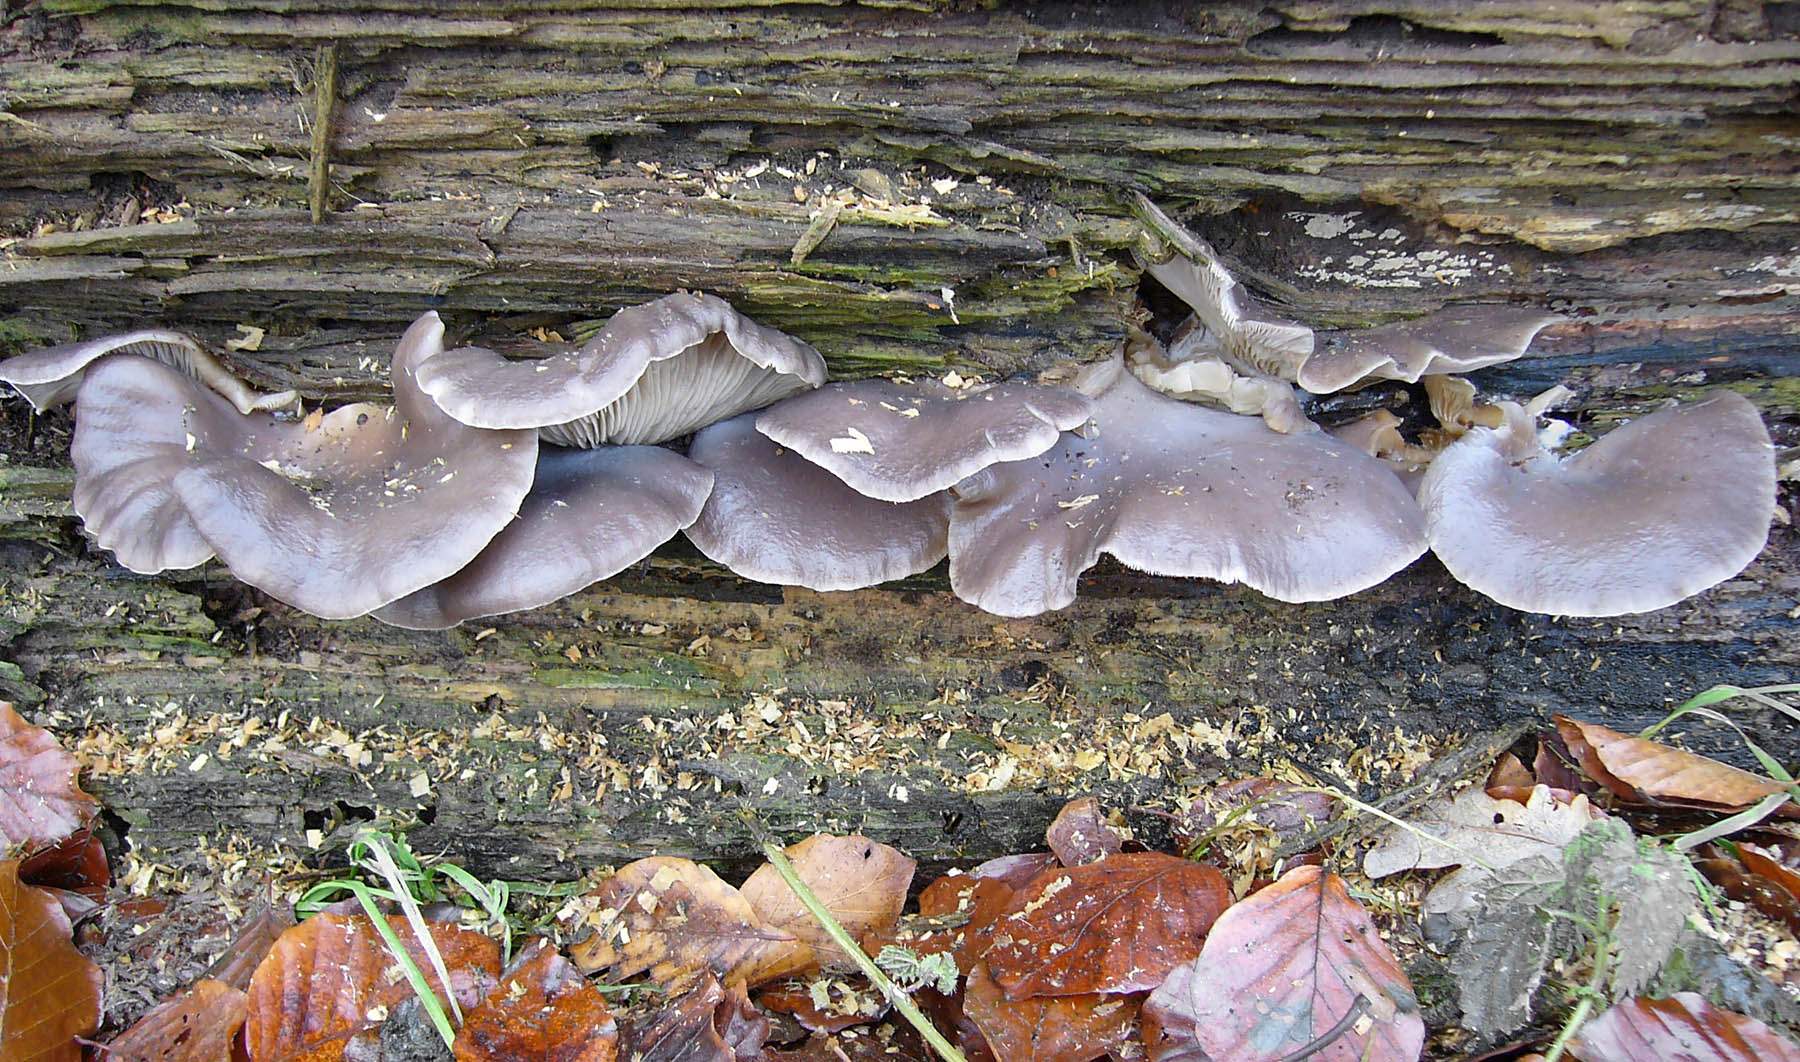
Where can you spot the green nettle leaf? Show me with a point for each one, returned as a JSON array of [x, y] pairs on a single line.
[[1652, 888], [1505, 942]]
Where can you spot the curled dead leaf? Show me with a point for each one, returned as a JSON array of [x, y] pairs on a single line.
[[1048, 1028], [1081, 833], [861, 882], [198, 1024], [1650, 772], [675, 919], [1684, 1026]]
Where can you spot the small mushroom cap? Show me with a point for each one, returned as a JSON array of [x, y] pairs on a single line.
[[1453, 340], [50, 377], [899, 442], [776, 517], [590, 515], [1656, 511], [1175, 489], [655, 372], [336, 516]]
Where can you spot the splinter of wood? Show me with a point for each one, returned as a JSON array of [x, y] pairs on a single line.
[[324, 98]]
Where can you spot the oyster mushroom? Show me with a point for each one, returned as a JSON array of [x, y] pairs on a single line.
[[50, 377], [590, 515], [1654, 512], [1175, 489], [654, 373], [1250, 338], [776, 517], [336, 515], [902, 441]]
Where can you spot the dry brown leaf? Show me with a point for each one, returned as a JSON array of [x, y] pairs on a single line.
[[675, 919], [1048, 1028], [861, 882], [1683, 1028], [198, 1024], [49, 993], [543, 1011], [1119, 925], [845, 1004], [1015, 871], [978, 900], [707, 1024], [1510, 779], [1081, 834], [251, 940], [331, 978], [41, 802], [1278, 972], [1649, 772]]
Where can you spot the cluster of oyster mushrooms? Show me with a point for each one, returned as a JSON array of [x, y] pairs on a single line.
[[491, 486]]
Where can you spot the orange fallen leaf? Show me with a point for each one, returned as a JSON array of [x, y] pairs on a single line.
[[1650, 772], [861, 882], [543, 1011], [1118, 925], [1048, 1028], [1683, 1028], [199, 1024], [675, 919], [49, 993], [330, 978], [1081, 833], [41, 803], [251, 940], [1282, 970], [845, 1005]]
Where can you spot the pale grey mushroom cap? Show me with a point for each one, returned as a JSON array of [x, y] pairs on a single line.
[[1656, 511], [590, 515], [1175, 489], [776, 517], [50, 377], [655, 372], [1453, 340], [899, 441], [336, 517]]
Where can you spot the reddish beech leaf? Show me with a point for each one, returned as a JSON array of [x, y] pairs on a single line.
[[947, 1013], [1772, 895], [1118, 925], [1683, 1028], [1781, 882], [863, 883], [1280, 970], [49, 993], [979, 900], [77, 864], [676, 919], [1649, 772], [1081, 834], [1016, 871], [41, 802], [884, 1043], [1048, 1028], [1510, 779], [544, 1010], [707, 1024], [199, 1024], [251, 940], [331, 978], [844, 1005]]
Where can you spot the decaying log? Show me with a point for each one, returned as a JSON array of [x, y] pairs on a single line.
[[911, 187]]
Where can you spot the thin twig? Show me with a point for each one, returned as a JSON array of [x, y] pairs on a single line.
[[324, 101]]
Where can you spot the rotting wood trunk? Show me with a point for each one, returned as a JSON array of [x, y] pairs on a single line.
[[909, 189]]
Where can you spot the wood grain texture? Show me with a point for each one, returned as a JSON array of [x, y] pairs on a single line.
[[1630, 164]]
